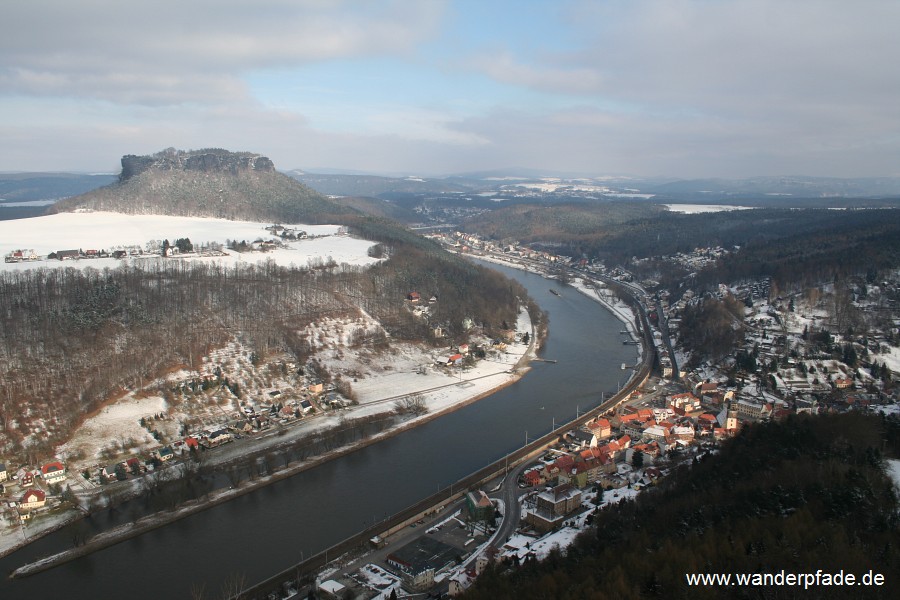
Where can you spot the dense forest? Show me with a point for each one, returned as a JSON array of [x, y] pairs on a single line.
[[806, 494], [575, 225], [70, 339], [794, 247]]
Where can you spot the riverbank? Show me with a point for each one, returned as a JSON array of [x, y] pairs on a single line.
[[468, 386], [617, 307]]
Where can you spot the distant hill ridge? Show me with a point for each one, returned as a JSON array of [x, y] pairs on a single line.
[[208, 183]]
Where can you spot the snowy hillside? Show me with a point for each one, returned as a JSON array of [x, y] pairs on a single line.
[[106, 231]]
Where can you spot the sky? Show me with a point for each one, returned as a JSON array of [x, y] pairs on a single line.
[[673, 88]]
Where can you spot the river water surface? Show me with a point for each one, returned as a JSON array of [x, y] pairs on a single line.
[[268, 530]]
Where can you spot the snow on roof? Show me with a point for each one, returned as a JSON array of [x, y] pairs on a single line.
[[331, 586]]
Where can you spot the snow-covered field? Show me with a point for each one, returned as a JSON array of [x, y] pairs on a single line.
[[693, 209], [105, 230], [116, 424]]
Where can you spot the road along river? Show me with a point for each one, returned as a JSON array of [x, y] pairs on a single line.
[[270, 529]]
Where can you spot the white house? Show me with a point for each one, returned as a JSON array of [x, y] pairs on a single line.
[[53, 472]]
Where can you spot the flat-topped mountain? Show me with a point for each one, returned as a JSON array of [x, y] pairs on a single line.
[[207, 183]]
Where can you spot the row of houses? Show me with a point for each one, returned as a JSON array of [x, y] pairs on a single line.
[[51, 473], [33, 497]]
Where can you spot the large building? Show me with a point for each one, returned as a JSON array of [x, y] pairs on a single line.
[[419, 560], [553, 506]]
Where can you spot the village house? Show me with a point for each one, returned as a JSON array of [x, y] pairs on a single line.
[[460, 582], [53, 472], [650, 451], [632, 428], [706, 389], [683, 404], [114, 472], [165, 454], [600, 427], [454, 359], [33, 499], [413, 297], [26, 479], [706, 422], [683, 433], [134, 465], [316, 386], [656, 433], [67, 254], [219, 437], [581, 438], [3, 474], [533, 477], [842, 383]]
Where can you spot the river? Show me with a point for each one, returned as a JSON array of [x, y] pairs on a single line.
[[266, 531]]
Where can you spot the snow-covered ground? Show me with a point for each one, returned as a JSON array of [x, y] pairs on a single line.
[[893, 471], [521, 545], [408, 369], [693, 209], [115, 424], [105, 230], [892, 359]]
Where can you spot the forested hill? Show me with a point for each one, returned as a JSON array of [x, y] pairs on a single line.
[[208, 183], [807, 494]]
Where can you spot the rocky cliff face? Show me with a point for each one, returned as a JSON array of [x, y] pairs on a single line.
[[204, 161], [207, 183]]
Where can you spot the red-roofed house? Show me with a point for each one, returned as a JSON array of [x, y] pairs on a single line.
[[33, 499], [455, 359], [53, 472], [532, 478], [565, 462], [707, 421], [707, 388], [600, 428]]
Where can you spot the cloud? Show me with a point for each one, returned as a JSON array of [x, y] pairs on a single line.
[[758, 84], [674, 87], [503, 67], [170, 51]]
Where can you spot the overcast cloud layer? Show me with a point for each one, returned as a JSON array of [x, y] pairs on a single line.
[[679, 88]]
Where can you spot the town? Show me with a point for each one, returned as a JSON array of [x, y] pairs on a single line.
[[799, 354], [792, 360]]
